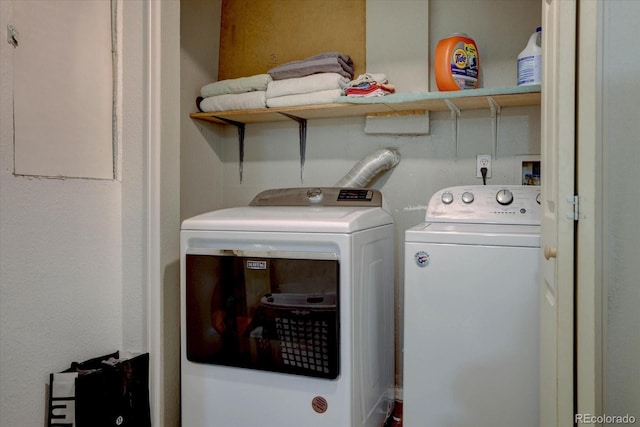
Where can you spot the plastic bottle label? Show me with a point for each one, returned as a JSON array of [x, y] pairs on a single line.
[[464, 65], [530, 70], [457, 63]]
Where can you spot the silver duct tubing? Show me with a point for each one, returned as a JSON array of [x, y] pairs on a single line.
[[369, 167]]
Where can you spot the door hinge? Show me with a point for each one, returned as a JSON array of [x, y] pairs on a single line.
[[575, 202]]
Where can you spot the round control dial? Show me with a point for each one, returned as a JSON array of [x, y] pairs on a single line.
[[467, 197], [447, 198], [315, 195], [504, 197]]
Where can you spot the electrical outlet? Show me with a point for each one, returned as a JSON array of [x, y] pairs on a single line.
[[483, 161]]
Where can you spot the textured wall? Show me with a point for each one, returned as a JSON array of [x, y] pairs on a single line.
[[621, 243], [71, 252]]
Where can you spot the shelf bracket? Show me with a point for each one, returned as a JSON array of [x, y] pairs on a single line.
[[455, 113], [302, 134], [241, 127], [495, 114], [496, 109]]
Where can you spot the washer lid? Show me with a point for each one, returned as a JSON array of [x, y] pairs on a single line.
[[475, 234], [309, 219]]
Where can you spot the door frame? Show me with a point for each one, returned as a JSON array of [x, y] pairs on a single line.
[[162, 97], [589, 279]]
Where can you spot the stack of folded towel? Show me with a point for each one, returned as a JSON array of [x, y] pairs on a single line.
[[369, 85], [321, 88], [245, 93], [319, 79], [328, 62]]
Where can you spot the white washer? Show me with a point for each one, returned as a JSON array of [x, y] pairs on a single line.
[[287, 311], [471, 309]]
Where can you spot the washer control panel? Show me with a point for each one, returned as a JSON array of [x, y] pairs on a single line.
[[509, 204]]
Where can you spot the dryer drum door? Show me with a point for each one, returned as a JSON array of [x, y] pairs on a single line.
[[269, 311]]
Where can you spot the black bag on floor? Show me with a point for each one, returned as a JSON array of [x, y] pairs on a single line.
[[108, 393]]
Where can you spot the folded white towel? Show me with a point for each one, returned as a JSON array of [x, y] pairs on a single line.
[[238, 101], [308, 84], [241, 85], [313, 98]]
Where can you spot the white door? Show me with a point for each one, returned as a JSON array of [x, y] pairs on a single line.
[[557, 240]]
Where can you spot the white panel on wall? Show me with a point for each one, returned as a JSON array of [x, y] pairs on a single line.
[[63, 89]]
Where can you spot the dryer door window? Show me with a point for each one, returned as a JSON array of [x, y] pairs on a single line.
[[268, 311]]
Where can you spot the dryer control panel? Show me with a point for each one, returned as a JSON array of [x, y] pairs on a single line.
[[498, 204], [319, 196]]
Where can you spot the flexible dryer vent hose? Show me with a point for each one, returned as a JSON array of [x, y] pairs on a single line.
[[369, 167]]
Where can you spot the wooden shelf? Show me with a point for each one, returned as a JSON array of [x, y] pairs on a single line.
[[395, 104]]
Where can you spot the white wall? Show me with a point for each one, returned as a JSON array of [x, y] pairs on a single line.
[[428, 163], [72, 251], [199, 162], [621, 209]]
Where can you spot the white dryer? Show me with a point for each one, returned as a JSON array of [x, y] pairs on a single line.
[[287, 311], [471, 309]]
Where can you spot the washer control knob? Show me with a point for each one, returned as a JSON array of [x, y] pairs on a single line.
[[447, 198], [504, 197], [467, 197], [315, 195]]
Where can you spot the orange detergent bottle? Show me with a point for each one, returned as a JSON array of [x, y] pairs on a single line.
[[457, 64]]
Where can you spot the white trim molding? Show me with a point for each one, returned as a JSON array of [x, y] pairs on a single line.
[[154, 273]]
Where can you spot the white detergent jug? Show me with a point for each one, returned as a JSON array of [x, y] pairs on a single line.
[[530, 61]]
